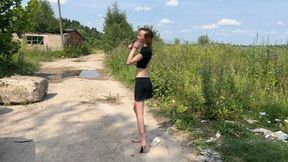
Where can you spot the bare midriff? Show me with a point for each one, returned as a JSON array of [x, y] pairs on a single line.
[[142, 73]]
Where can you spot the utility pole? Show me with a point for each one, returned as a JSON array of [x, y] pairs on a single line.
[[60, 21]]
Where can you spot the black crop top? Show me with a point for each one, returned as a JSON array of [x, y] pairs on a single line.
[[147, 54]]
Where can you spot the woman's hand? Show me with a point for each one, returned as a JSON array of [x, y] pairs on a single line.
[[137, 44]]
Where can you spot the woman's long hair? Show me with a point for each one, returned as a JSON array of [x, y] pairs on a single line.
[[148, 36]]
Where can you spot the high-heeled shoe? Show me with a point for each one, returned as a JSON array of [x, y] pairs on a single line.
[[144, 149]]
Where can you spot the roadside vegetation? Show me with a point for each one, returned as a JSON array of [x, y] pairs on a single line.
[[222, 86], [210, 87]]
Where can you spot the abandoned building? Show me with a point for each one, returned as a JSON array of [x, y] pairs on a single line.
[[47, 41], [75, 37]]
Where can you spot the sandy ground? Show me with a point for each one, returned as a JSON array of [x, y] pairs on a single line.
[[86, 120]]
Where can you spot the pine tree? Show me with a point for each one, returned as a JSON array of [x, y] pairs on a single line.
[[116, 28]]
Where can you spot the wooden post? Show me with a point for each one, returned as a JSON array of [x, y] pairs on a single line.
[[60, 21]]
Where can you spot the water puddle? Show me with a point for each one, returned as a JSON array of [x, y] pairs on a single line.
[[90, 74], [56, 76], [59, 76]]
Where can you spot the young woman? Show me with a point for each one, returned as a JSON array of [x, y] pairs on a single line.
[[143, 85]]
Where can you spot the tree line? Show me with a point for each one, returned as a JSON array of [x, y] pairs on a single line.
[[38, 17]]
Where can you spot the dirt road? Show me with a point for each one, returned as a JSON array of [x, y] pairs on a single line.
[[85, 120]]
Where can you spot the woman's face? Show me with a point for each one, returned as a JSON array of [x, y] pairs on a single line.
[[140, 36]]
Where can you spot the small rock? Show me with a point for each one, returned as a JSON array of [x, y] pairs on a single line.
[[201, 158], [208, 156]]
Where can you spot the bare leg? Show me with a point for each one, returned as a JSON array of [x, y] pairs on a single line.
[[139, 109]]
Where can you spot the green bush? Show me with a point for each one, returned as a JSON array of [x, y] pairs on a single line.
[[76, 50], [215, 81]]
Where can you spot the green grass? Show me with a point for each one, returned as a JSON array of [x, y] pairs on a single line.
[[219, 82], [216, 81], [253, 149]]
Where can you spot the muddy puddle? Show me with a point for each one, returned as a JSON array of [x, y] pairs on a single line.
[[59, 76]]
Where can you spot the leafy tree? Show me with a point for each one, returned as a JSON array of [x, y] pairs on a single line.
[[48, 21], [116, 28], [203, 39], [9, 21], [40, 17]]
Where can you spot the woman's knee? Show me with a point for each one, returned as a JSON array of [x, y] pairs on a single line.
[[139, 104]]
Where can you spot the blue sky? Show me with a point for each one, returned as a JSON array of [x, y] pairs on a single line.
[[228, 21]]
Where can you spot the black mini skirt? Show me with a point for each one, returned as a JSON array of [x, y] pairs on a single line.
[[143, 89]]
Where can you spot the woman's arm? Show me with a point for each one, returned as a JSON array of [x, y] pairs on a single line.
[[132, 58]]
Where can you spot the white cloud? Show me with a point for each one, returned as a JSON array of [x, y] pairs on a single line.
[[280, 23], [226, 22], [140, 8], [55, 1], [272, 32], [186, 31], [240, 31], [209, 26], [172, 3], [222, 22], [165, 21]]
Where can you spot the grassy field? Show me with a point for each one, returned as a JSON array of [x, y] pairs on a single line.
[[217, 82]]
